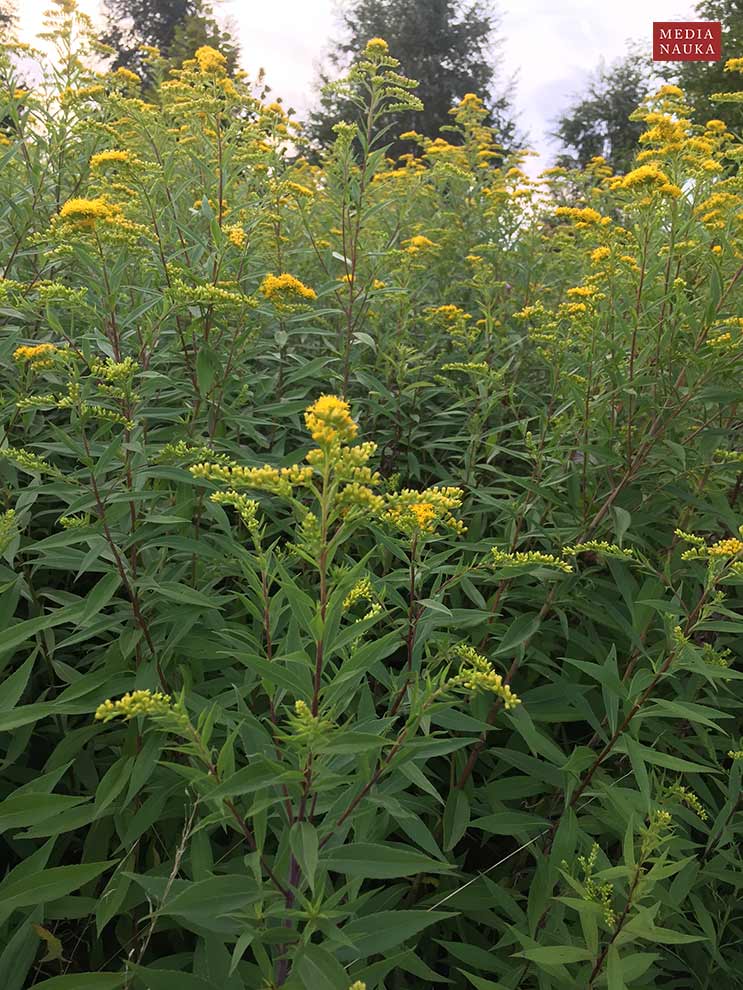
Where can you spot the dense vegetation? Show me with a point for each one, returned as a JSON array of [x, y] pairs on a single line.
[[370, 581]]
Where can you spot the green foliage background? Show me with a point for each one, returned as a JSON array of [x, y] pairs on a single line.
[[566, 351]]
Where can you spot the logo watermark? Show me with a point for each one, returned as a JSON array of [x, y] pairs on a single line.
[[687, 41]]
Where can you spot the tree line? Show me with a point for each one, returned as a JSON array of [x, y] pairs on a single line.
[[451, 47]]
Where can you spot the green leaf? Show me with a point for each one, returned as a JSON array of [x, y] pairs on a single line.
[[208, 367], [47, 885], [318, 970], [435, 606], [509, 822], [30, 809], [668, 936], [257, 776], [83, 981], [98, 597], [614, 979], [456, 817], [381, 861], [13, 687], [555, 955], [479, 983], [22, 631], [304, 844], [623, 520], [659, 759], [213, 897], [171, 979], [381, 932], [521, 629]]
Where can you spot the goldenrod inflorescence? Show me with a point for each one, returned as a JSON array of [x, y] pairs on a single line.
[[37, 356], [423, 513], [329, 421], [285, 290], [477, 674], [134, 703]]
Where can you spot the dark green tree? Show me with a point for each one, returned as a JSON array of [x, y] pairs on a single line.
[[598, 123], [700, 80], [449, 46], [176, 27]]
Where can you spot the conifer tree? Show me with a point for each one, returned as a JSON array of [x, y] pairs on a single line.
[[449, 46]]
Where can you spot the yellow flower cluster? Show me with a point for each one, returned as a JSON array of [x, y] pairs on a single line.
[[135, 703], [7, 528], [127, 76], [726, 548], [285, 288], [647, 177], [660, 819], [85, 212], [582, 291], [467, 367], [236, 235], [477, 674], [299, 190], [716, 658], [350, 463], [527, 560], [210, 61], [720, 550], [722, 340], [212, 203], [600, 893], [584, 216], [599, 254], [449, 312], [246, 507], [37, 355], [453, 318], [601, 547], [115, 371], [418, 243], [355, 498], [422, 513], [363, 591], [329, 421], [112, 157], [280, 481], [667, 132], [36, 401], [28, 461], [74, 522], [725, 457], [377, 46], [307, 727], [683, 795], [358, 985], [208, 295]]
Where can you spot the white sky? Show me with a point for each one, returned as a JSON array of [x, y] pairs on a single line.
[[552, 45]]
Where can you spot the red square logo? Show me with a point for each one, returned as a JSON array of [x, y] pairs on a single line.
[[687, 41]]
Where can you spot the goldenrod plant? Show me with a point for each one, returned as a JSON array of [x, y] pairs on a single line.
[[370, 547]]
